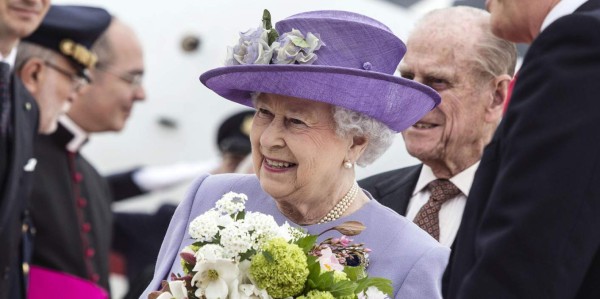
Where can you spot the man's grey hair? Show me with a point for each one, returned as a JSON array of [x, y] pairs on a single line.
[[349, 123], [27, 50], [493, 56]]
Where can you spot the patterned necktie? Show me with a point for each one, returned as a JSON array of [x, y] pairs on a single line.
[[428, 216], [5, 98]]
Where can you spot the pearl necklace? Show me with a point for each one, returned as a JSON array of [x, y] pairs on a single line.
[[341, 207]]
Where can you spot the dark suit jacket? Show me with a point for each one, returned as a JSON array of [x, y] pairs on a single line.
[[531, 226], [15, 191], [393, 188]]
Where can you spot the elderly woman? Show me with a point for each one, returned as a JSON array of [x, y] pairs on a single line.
[[326, 99]]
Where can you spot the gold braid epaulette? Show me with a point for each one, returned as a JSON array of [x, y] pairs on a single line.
[[78, 52]]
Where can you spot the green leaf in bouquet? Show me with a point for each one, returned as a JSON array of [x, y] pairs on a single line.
[[355, 273], [240, 215], [307, 243], [383, 284], [247, 255], [325, 281], [268, 256], [314, 268], [343, 288], [187, 268]]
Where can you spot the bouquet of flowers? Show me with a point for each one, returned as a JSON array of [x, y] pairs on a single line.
[[243, 254]]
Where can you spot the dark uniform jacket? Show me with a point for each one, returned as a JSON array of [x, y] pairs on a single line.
[[16, 164], [531, 226], [71, 211]]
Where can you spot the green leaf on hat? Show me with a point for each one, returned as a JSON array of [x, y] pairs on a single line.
[[266, 20], [299, 42]]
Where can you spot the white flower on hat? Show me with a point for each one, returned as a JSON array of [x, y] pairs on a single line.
[[252, 48], [294, 47]]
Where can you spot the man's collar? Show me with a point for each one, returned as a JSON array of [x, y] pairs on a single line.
[[462, 180], [79, 135], [10, 59], [562, 8]]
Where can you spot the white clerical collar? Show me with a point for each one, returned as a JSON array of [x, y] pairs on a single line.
[[562, 8], [79, 135], [462, 180]]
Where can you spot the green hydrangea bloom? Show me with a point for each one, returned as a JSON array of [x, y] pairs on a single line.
[[316, 294], [285, 274], [339, 276]]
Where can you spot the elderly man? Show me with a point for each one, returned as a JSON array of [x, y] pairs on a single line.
[[470, 69], [18, 126], [70, 200], [530, 227], [54, 61]]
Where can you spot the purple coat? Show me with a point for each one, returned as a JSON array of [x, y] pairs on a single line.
[[401, 251]]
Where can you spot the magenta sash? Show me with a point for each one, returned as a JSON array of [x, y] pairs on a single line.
[[46, 283]]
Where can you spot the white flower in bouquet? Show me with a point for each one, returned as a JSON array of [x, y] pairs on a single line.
[[210, 252], [372, 293], [177, 291], [231, 203], [247, 288], [205, 227], [214, 277], [236, 239]]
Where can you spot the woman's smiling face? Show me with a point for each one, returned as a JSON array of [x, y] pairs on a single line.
[[296, 152]]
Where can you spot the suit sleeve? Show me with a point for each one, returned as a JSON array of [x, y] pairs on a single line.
[[540, 232], [123, 186]]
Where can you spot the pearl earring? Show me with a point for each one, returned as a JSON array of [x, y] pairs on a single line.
[[348, 164]]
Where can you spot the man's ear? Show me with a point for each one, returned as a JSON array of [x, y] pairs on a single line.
[[499, 93], [31, 74]]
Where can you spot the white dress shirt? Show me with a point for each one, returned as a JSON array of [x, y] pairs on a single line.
[[10, 59], [452, 210], [563, 8]]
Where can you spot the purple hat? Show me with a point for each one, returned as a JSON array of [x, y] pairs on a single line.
[[336, 57]]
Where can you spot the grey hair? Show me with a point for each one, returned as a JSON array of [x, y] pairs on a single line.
[[352, 123], [27, 50], [349, 123], [493, 56]]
